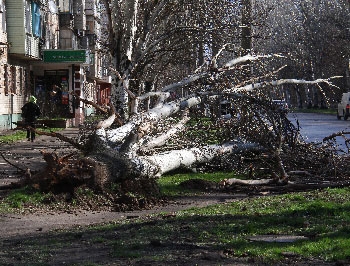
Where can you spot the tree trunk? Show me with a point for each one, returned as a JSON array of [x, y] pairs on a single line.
[[299, 98], [246, 35]]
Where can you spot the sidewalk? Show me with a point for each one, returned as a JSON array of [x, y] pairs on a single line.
[[26, 154]]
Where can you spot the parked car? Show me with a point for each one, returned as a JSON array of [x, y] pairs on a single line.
[[280, 105], [343, 109]]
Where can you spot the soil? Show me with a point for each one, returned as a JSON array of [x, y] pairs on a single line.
[[24, 233]]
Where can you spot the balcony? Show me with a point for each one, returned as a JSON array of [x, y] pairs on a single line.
[[66, 20]]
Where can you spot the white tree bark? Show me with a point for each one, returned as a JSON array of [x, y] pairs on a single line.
[[159, 164], [133, 28], [161, 140], [153, 115], [254, 86]]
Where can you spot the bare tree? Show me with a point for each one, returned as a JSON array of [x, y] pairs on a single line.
[[162, 41], [315, 36]]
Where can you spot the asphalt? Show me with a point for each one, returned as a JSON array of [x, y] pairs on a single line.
[[26, 154]]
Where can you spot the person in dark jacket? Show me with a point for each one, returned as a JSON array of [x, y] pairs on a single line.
[[30, 113]]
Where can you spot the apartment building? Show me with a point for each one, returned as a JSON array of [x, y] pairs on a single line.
[[48, 49]]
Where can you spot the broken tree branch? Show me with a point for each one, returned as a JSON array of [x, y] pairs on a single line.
[[338, 134], [107, 122], [107, 110], [59, 136], [15, 166], [254, 86], [161, 140], [103, 109]]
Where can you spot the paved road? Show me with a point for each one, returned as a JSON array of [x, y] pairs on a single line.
[[314, 127]]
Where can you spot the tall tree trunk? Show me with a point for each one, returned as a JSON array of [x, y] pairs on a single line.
[[119, 95], [299, 98], [246, 36], [125, 26]]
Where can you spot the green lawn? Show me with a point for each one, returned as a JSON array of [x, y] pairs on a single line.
[[331, 111], [321, 216], [21, 134]]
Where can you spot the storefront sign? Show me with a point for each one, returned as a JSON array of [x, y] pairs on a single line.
[[65, 56]]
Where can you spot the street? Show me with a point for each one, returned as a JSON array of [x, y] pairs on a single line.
[[314, 126]]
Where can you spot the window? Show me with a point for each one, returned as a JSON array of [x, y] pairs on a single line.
[[2, 78], [65, 6], [6, 79], [36, 19], [28, 18], [13, 78], [2, 16]]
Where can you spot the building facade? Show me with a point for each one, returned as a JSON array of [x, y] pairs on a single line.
[[48, 49]]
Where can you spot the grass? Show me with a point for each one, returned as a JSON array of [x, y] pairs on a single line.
[[18, 199], [169, 184], [315, 110], [323, 216], [16, 136], [21, 134]]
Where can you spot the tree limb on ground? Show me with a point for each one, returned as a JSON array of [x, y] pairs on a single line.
[[59, 136], [338, 134], [15, 166]]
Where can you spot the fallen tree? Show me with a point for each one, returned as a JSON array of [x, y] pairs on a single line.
[[146, 133], [174, 134]]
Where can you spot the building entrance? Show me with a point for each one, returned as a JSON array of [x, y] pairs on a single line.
[[52, 92]]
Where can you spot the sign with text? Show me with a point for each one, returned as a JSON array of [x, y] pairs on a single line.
[[65, 56]]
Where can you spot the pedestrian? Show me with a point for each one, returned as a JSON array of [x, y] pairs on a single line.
[[30, 113]]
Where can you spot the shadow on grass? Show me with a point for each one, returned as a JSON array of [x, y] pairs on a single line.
[[191, 237]]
